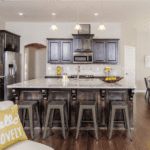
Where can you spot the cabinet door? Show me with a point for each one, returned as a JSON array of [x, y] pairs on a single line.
[[112, 51], [87, 43], [53, 51], [9, 40], [77, 43], [16, 42], [66, 51], [99, 51]]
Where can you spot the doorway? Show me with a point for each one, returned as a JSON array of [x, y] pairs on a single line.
[[34, 61]]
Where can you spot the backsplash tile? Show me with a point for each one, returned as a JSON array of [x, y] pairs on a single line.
[[85, 69]]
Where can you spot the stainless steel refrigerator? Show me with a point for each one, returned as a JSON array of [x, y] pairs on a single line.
[[12, 72]]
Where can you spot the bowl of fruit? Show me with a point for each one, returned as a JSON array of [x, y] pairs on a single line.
[[111, 79]]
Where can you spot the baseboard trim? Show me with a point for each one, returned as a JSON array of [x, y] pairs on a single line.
[[140, 91]]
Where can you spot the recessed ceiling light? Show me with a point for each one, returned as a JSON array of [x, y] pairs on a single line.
[[53, 14], [21, 14], [96, 14]]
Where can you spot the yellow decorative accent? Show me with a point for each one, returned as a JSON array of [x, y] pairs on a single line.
[[58, 70], [11, 130], [107, 69], [110, 78]]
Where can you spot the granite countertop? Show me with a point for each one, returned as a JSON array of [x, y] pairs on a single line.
[[90, 83], [1, 76]]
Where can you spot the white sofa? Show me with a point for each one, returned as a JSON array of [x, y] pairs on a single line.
[[23, 145]]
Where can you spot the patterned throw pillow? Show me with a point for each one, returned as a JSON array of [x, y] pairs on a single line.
[[11, 130]]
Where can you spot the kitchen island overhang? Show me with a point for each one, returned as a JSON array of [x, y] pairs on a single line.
[[46, 90]]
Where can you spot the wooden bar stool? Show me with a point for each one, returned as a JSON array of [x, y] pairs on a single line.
[[61, 105], [30, 105], [87, 105], [119, 105]]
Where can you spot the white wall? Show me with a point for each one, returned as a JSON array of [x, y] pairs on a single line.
[[2, 25], [37, 32]]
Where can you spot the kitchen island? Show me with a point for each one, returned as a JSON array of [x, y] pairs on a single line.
[[73, 92]]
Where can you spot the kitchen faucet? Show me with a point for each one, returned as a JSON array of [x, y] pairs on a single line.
[[78, 70]]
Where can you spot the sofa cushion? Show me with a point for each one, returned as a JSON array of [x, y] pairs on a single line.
[[29, 145], [6, 105], [11, 130]]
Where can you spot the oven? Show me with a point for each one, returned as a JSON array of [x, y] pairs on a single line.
[[83, 58]]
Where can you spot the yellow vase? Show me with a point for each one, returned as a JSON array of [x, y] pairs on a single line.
[[58, 70]]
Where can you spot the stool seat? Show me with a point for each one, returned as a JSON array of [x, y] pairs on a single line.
[[119, 105], [61, 105], [30, 105]]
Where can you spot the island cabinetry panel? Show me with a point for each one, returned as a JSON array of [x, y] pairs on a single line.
[[60, 51], [105, 51], [83, 42]]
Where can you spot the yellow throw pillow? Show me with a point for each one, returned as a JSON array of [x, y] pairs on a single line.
[[11, 130]]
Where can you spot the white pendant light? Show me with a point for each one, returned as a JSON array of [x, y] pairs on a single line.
[[53, 27], [77, 27], [102, 27]]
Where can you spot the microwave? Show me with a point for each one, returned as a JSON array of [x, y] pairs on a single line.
[[83, 58]]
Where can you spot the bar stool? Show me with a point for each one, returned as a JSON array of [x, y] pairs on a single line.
[[30, 105], [119, 105], [61, 105], [87, 105]]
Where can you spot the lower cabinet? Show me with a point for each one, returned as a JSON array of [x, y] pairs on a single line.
[[60, 51]]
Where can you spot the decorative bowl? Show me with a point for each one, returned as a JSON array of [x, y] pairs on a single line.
[[111, 81]]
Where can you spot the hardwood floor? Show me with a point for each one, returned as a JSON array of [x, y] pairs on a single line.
[[119, 141]]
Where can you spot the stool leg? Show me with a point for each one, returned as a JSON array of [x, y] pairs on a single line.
[[79, 122], [51, 117], [24, 116], [66, 115], [95, 123], [31, 120], [112, 123], [37, 113], [128, 124], [125, 121], [47, 118], [63, 122], [110, 115]]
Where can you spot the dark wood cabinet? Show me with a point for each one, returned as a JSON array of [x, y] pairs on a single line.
[[8, 42], [105, 51], [99, 51], [82, 42], [60, 51], [1, 89]]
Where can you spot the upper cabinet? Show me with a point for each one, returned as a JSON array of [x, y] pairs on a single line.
[[60, 51], [8, 42], [82, 42], [105, 51]]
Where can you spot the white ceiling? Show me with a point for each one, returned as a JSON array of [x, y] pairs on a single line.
[[66, 10]]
